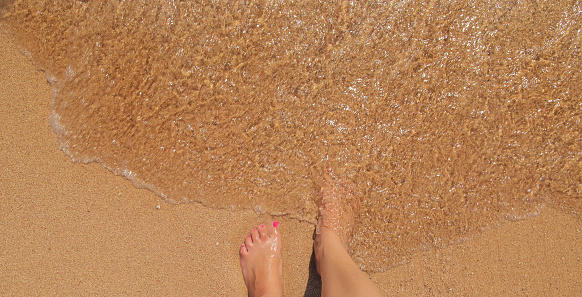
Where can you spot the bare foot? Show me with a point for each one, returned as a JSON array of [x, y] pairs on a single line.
[[338, 208], [260, 261]]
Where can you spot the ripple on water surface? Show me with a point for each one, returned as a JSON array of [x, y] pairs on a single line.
[[448, 116]]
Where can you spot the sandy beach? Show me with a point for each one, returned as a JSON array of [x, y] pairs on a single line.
[[74, 229]]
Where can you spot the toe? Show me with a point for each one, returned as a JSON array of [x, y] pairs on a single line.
[[243, 250], [263, 231], [254, 235], [248, 241], [274, 229]]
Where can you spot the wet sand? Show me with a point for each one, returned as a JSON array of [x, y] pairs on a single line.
[[451, 117], [73, 229]]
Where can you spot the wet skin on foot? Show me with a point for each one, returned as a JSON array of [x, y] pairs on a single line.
[[261, 263], [338, 207]]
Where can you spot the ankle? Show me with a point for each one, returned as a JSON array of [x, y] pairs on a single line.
[[324, 240], [271, 291], [267, 293]]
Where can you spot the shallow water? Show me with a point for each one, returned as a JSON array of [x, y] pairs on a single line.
[[450, 117]]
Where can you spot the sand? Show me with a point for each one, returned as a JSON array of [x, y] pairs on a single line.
[[74, 229]]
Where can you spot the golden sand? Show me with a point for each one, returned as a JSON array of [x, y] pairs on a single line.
[[71, 229]]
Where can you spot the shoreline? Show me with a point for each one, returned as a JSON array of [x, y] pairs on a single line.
[[69, 228]]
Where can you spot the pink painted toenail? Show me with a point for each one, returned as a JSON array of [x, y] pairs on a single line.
[[276, 224], [262, 226], [248, 236]]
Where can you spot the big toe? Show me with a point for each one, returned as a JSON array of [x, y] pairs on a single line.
[[274, 230]]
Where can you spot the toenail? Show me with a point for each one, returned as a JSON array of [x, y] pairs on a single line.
[[262, 226], [276, 224], [248, 236]]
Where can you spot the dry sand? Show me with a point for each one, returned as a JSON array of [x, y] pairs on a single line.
[[74, 229]]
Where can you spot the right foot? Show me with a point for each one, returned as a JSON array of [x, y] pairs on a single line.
[[338, 208]]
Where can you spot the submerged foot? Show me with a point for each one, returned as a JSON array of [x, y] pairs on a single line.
[[338, 208], [260, 261]]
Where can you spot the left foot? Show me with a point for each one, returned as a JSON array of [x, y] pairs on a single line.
[[260, 261]]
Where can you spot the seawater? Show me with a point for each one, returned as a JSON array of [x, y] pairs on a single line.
[[449, 116]]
